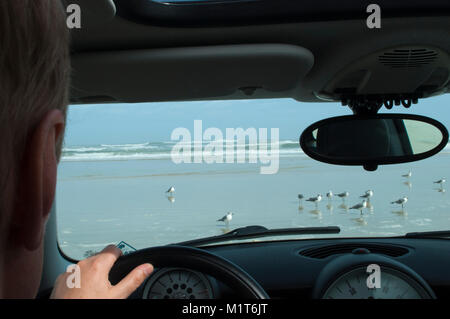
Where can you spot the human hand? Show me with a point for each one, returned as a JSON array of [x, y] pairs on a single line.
[[94, 283]]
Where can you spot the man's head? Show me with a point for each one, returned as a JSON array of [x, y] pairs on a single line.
[[34, 81]]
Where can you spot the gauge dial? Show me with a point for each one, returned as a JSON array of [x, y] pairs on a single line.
[[178, 283], [393, 285]]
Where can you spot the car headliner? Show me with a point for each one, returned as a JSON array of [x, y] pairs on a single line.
[[117, 60]]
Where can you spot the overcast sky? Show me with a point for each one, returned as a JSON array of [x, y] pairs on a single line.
[[153, 122]]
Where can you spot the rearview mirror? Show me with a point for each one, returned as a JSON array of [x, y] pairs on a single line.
[[372, 140]]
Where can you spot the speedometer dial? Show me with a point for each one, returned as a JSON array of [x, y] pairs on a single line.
[[178, 283], [393, 285]]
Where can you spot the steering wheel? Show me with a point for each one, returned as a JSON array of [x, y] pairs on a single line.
[[193, 258]]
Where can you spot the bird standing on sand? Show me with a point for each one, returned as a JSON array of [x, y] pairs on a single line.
[[227, 218], [360, 206], [300, 197], [408, 175], [402, 201], [343, 195], [441, 181], [330, 195], [367, 195], [171, 190], [315, 200]]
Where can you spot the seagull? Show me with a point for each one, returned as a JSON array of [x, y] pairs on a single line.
[[402, 201], [441, 181], [343, 195], [367, 194], [300, 197], [330, 195], [360, 206], [408, 175], [315, 200], [171, 190], [227, 218]]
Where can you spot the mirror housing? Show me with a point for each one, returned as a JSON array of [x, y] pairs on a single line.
[[372, 140]]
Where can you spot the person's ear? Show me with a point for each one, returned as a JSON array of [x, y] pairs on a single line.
[[37, 181]]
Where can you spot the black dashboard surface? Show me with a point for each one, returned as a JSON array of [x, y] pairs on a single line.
[[289, 269]]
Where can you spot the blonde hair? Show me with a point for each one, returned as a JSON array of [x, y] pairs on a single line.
[[34, 78]]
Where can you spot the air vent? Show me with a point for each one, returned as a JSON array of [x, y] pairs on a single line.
[[330, 250], [408, 58]]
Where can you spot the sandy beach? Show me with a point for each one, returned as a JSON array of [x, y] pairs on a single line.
[[107, 194]]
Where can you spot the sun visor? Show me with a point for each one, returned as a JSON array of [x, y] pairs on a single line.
[[191, 73]]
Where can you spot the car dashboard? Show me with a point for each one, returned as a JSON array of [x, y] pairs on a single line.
[[408, 268]]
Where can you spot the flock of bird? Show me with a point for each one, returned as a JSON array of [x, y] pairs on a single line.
[[365, 197], [316, 199], [360, 206]]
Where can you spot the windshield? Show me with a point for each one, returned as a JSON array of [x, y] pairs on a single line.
[[158, 173]]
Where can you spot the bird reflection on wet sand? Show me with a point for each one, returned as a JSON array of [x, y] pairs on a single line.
[[344, 207], [409, 184], [360, 220], [401, 212], [440, 190], [171, 199], [330, 208], [225, 230], [300, 208], [316, 213]]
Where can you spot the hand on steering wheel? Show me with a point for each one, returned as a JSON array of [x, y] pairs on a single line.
[[195, 259]]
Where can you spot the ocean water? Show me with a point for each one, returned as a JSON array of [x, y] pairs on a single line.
[[110, 193]]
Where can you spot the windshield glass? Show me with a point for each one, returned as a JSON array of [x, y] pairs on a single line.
[[120, 162]]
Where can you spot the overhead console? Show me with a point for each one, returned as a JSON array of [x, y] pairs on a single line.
[[393, 76]]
